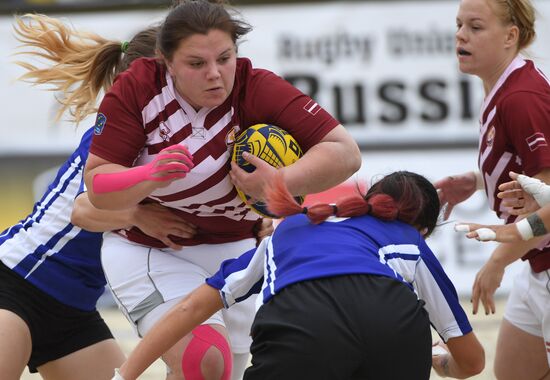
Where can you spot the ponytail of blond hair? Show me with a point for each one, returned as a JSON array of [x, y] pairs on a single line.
[[82, 64]]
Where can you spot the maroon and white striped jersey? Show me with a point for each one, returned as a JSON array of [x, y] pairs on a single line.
[[515, 130], [143, 114]]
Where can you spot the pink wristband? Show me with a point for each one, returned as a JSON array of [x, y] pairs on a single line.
[[153, 171]]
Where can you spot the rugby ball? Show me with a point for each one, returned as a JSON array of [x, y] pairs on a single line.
[[273, 145]]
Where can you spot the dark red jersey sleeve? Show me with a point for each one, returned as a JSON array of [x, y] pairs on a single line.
[[268, 98]]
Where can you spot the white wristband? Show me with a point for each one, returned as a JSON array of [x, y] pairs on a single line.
[[524, 229], [538, 189]]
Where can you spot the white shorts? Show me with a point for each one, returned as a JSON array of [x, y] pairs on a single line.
[[528, 306], [146, 282]]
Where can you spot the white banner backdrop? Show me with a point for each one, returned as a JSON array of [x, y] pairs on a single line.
[[386, 70]]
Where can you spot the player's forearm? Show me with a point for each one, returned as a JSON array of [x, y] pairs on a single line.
[[467, 357], [116, 200], [325, 165], [90, 218], [115, 187], [479, 182], [544, 215], [507, 253], [450, 368]]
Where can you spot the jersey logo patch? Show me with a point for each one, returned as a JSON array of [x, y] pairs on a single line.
[[230, 137], [164, 132], [312, 107], [536, 140], [100, 122], [490, 136]]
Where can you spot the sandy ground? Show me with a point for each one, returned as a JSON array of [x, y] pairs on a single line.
[[486, 328]]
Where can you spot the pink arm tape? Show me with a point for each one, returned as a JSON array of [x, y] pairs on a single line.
[[153, 171]]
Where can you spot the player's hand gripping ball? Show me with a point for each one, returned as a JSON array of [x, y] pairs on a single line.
[[273, 145]]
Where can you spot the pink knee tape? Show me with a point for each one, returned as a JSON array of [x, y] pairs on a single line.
[[205, 337]]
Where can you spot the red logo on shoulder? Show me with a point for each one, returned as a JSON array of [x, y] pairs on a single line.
[[312, 107], [536, 140]]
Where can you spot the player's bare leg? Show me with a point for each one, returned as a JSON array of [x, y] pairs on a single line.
[[520, 355], [15, 347], [95, 362]]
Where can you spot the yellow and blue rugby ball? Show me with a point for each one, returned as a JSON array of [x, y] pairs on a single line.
[[273, 145]]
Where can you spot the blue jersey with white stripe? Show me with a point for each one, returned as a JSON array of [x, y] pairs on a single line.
[[51, 253], [300, 251]]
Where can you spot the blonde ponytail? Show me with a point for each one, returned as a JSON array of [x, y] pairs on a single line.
[[82, 64]]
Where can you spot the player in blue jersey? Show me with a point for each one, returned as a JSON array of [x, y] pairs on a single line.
[[51, 273], [348, 297], [51, 278]]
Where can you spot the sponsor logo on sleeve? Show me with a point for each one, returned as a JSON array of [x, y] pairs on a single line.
[[100, 122], [312, 107], [536, 140]]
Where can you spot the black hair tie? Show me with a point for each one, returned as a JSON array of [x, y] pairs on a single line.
[[334, 210], [304, 210], [369, 208]]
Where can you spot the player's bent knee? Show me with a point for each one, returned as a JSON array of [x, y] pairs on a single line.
[[199, 357]]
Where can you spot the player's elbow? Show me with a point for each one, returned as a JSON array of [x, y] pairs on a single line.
[[468, 356], [352, 152], [346, 152], [356, 160], [78, 214], [350, 157], [77, 218], [474, 366]]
